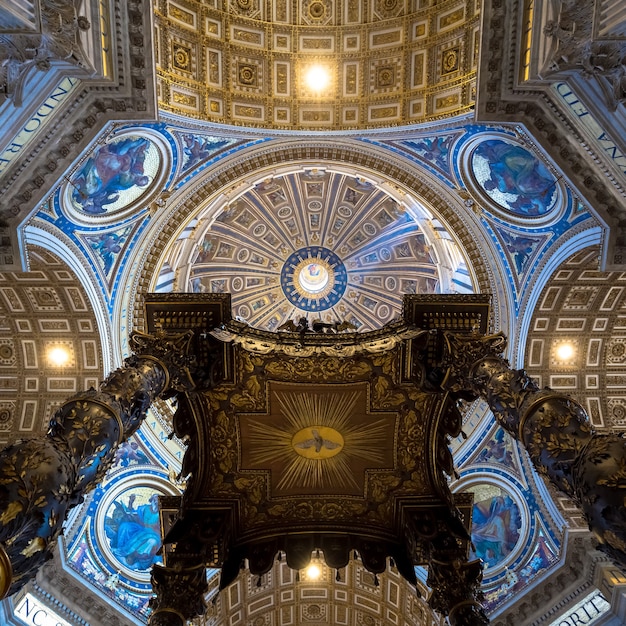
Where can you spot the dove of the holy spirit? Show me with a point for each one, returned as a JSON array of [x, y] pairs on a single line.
[[317, 442]]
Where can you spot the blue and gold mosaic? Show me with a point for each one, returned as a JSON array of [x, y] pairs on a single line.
[[313, 278]]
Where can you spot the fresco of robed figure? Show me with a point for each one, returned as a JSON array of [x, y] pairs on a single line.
[[110, 174], [133, 531]]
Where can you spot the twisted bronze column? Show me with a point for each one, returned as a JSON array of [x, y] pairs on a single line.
[[41, 479], [587, 466]]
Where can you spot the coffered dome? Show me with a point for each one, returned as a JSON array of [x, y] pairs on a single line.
[[316, 243], [384, 62]]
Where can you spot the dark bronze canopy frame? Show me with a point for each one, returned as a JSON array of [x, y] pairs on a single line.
[[305, 441]]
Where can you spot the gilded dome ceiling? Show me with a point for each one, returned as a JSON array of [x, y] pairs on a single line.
[[318, 244], [386, 62]]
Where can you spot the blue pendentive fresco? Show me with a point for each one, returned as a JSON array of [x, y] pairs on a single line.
[[132, 528], [108, 247], [520, 247], [197, 148], [81, 560], [514, 178], [129, 453], [112, 175], [496, 523], [498, 449], [435, 150], [542, 558]]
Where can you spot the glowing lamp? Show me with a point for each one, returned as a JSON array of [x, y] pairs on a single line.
[[58, 356], [313, 572], [565, 351], [317, 78]]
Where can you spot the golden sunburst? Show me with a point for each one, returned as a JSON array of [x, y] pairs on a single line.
[[316, 439]]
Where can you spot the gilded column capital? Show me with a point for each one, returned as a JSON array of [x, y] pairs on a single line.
[[179, 594], [171, 351], [456, 590]]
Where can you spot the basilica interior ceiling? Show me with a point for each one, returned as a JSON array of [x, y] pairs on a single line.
[[197, 160], [290, 246], [245, 61], [326, 232]]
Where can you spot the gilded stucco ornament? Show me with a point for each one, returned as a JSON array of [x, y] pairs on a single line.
[[574, 48], [296, 343], [59, 40], [455, 581], [179, 594]]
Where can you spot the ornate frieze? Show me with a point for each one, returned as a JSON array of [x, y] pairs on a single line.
[[58, 41]]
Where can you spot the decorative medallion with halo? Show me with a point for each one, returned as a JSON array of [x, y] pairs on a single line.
[[319, 441], [313, 278]]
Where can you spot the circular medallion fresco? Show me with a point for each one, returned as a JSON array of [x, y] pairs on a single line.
[[115, 176], [514, 178], [496, 524], [313, 278], [132, 529]]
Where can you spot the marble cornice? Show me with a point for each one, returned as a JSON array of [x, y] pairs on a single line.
[[130, 96], [501, 100]]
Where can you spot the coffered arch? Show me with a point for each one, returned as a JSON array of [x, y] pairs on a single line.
[[584, 308], [43, 310]]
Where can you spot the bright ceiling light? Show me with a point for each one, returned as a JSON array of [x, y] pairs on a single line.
[[317, 78], [313, 572], [58, 356], [565, 351]]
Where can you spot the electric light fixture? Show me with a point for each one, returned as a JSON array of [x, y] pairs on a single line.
[[313, 571], [317, 78], [565, 351], [58, 356]]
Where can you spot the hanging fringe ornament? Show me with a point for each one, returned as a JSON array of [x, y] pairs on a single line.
[[376, 581], [338, 577]]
